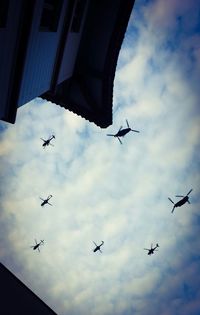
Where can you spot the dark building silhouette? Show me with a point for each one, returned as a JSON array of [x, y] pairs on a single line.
[[17, 299], [65, 51]]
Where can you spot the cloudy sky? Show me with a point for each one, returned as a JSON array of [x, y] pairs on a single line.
[[117, 193]]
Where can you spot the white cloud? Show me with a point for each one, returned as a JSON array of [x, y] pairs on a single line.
[[106, 191]]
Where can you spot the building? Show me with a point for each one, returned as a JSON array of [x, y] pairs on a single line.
[[65, 51], [17, 299]]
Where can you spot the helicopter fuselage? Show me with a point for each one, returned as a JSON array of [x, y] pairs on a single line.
[[45, 201], [36, 246], [97, 248], [123, 132], [151, 250], [46, 143], [182, 201]]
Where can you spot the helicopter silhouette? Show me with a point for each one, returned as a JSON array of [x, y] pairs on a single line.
[[46, 201], [152, 249], [47, 142], [98, 247], [122, 132], [180, 202], [37, 245]]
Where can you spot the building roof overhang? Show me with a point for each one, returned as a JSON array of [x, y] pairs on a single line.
[[89, 92]]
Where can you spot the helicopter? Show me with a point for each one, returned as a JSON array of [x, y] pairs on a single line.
[[44, 201], [122, 132], [98, 247], [47, 142], [37, 245], [152, 249], [180, 202]]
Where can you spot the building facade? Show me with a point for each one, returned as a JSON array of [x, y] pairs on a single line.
[[17, 299], [62, 50]]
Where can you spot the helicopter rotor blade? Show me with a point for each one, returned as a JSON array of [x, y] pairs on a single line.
[[49, 203], [119, 140], [134, 130], [100, 250], [146, 249], [42, 139], [189, 202], [173, 209], [189, 192], [120, 128], [35, 241], [170, 200], [179, 196], [42, 199], [110, 135], [127, 123]]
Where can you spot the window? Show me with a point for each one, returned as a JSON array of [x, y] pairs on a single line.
[[4, 4], [50, 15], [78, 15]]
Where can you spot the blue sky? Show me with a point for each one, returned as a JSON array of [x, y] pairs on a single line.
[[117, 193]]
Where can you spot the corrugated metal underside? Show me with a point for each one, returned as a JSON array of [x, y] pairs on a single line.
[[89, 93]]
